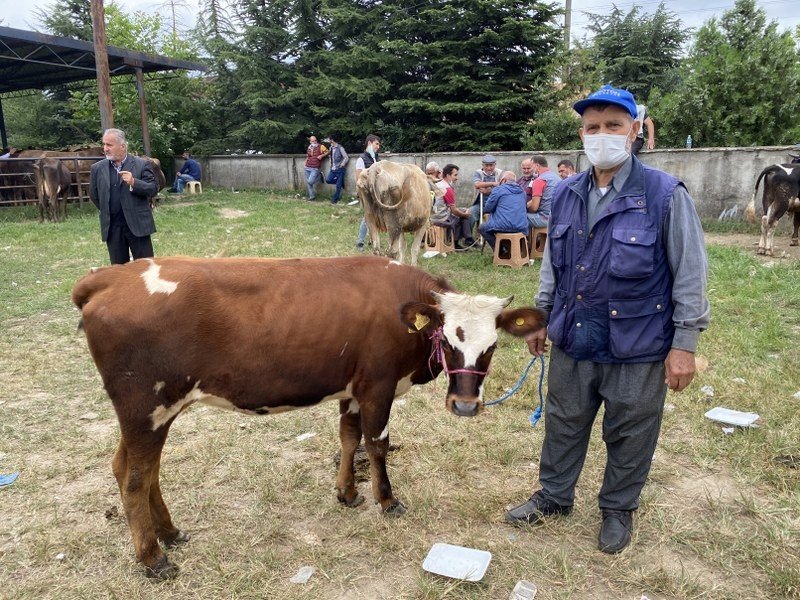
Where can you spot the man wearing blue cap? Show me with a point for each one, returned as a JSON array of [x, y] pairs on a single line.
[[623, 280]]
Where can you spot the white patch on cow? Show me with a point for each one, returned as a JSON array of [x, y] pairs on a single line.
[[162, 414], [345, 394], [384, 434], [393, 262], [476, 316], [353, 408], [158, 387], [403, 386], [787, 170], [153, 281]]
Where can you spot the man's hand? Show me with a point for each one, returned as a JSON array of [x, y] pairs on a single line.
[[127, 177], [680, 369], [537, 341]]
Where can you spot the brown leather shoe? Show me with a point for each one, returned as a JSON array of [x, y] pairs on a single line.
[[615, 533], [535, 510]]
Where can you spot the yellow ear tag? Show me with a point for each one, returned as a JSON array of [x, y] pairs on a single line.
[[520, 321], [421, 321]]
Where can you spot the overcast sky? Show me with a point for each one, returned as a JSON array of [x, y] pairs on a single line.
[[21, 14]]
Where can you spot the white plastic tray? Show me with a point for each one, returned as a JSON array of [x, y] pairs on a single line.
[[457, 562], [732, 417]]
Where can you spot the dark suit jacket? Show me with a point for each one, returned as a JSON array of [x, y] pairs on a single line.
[[135, 203]]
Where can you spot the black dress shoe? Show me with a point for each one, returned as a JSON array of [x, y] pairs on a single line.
[[535, 510], [615, 533]]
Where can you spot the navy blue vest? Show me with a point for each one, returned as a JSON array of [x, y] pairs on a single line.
[[613, 296]]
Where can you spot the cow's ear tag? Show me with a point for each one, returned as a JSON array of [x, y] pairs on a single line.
[[420, 321], [520, 321]]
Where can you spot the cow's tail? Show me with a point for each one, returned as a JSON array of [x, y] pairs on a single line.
[[87, 286], [750, 209], [377, 200]]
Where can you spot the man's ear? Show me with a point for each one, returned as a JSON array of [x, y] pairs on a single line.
[[635, 129], [520, 322], [421, 317]]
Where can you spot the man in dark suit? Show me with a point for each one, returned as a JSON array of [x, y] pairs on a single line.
[[121, 188]]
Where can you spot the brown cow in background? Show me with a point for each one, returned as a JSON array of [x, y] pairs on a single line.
[[53, 181]]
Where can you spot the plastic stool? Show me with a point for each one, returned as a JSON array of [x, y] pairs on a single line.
[[440, 239], [511, 249], [194, 187], [537, 241]]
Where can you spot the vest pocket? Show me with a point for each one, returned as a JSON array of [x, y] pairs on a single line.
[[632, 252], [636, 326], [558, 239]]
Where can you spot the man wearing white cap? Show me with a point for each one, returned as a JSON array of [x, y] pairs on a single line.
[[623, 281], [484, 180]]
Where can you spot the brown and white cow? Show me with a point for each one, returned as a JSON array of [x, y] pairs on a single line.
[[781, 195], [244, 334], [396, 198], [53, 180]]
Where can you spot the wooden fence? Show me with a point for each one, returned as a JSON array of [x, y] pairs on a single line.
[[18, 186]]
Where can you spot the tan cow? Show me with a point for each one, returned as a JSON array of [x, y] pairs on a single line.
[[262, 336], [53, 180], [396, 198]]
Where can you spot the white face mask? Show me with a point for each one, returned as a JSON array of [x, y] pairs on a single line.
[[606, 150]]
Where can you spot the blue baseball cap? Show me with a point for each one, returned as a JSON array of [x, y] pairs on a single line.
[[608, 95]]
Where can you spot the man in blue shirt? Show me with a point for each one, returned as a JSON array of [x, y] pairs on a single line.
[[506, 209], [623, 283], [190, 171]]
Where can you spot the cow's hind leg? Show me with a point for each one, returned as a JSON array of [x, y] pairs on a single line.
[[350, 437], [417, 243], [165, 530], [375, 425], [134, 465], [771, 221], [796, 224]]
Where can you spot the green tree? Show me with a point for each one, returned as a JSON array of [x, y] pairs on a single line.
[[739, 85], [638, 51]]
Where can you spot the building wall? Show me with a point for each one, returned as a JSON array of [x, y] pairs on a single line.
[[717, 178]]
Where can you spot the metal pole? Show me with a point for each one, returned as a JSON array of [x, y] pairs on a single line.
[[3, 137], [101, 65], [143, 112], [567, 22]]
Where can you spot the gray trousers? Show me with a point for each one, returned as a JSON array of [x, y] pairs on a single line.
[[633, 396]]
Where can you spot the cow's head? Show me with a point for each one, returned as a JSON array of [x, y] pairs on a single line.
[[464, 334]]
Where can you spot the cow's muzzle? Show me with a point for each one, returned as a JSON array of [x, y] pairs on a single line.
[[463, 407]]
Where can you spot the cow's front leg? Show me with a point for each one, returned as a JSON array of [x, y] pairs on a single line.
[[417, 243], [350, 437], [796, 224], [375, 425]]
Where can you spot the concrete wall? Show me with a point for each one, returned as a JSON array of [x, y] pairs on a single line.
[[717, 178]]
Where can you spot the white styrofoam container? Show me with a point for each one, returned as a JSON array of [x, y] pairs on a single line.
[[457, 562]]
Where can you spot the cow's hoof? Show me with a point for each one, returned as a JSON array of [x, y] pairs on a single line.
[[357, 500], [177, 540], [761, 251], [396, 509], [163, 570], [794, 243], [769, 253]]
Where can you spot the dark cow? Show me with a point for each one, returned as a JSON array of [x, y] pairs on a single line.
[[781, 195], [52, 182], [396, 198], [243, 334]]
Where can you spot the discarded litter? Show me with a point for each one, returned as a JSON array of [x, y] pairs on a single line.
[[353, 203], [732, 417], [430, 254], [8, 479], [303, 575], [728, 430], [457, 562], [89, 416], [742, 381], [708, 391], [796, 395], [61, 556], [524, 590], [304, 436]]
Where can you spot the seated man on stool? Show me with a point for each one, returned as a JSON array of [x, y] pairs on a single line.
[[507, 207], [446, 214], [190, 171]]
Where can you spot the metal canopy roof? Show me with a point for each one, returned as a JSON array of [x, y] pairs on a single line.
[[31, 60]]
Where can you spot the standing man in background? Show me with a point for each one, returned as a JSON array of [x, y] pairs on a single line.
[[121, 187], [623, 284], [484, 180], [644, 120], [365, 161], [314, 155], [339, 160]]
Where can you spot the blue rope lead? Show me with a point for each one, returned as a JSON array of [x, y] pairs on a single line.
[[536, 414]]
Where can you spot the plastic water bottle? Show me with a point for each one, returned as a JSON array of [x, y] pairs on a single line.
[[688, 141]]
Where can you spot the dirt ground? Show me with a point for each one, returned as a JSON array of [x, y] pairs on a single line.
[[749, 243]]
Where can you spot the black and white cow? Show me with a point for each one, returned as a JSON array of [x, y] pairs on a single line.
[[781, 195]]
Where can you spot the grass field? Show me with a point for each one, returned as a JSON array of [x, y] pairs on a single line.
[[720, 516]]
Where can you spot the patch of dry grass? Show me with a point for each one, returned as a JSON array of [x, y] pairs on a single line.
[[719, 517]]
